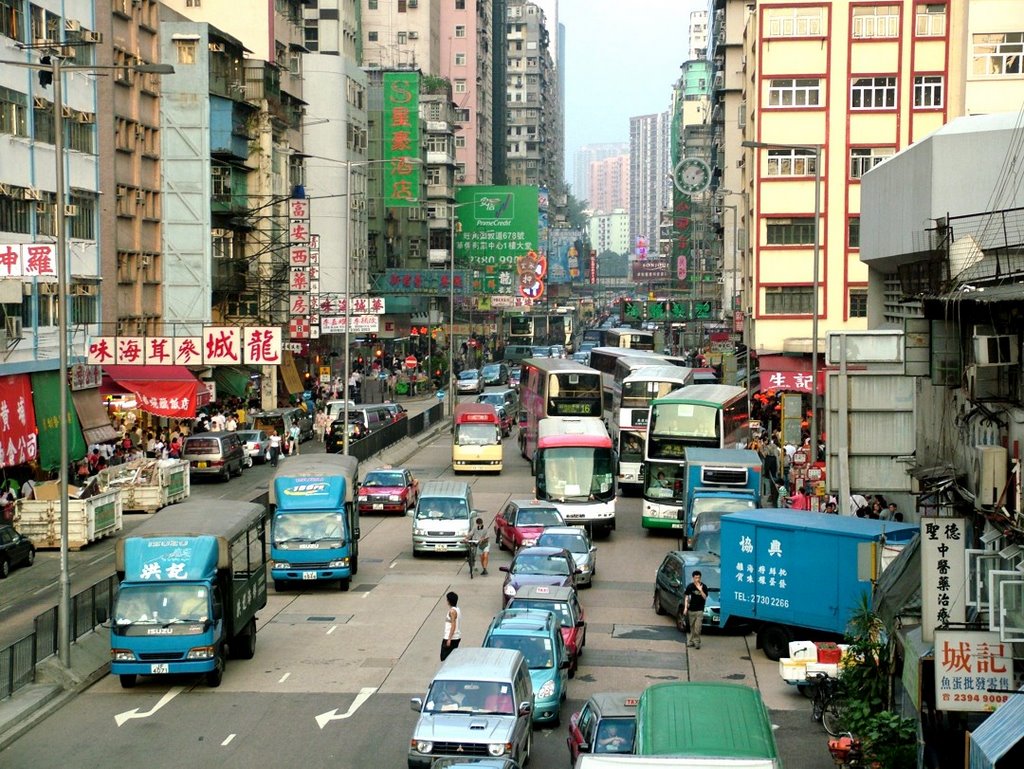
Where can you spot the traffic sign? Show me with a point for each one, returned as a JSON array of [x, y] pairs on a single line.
[[411, 362]]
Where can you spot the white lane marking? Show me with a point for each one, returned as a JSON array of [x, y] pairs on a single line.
[[332, 715], [393, 564], [122, 718], [101, 558], [284, 678], [43, 589], [333, 628], [227, 741], [362, 596]]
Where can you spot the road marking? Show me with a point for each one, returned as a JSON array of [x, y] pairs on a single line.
[[393, 564], [284, 678], [101, 558], [333, 628], [227, 741], [43, 589], [128, 715], [332, 715]]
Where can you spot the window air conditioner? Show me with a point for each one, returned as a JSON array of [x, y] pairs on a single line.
[[31, 193], [92, 37], [1001, 350], [71, 210], [72, 25], [414, 35], [13, 327]]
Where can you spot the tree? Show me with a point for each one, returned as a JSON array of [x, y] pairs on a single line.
[[576, 212]]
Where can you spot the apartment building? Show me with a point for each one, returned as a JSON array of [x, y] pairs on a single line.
[[610, 232], [584, 156], [649, 174], [403, 34], [608, 184]]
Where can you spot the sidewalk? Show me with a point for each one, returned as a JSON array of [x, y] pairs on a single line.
[[90, 655]]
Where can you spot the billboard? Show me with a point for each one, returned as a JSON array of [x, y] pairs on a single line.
[[498, 226], [401, 138]]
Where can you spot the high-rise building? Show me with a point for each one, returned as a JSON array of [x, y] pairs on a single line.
[[402, 35], [584, 156], [649, 174], [609, 184], [610, 232]]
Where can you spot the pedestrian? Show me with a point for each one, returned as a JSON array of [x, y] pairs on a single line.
[[320, 425], [275, 447], [231, 424], [875, 513], [892, 513], [452, 626], [801, 500], [293, 439], [695, 595], [831, 507], [483, 544]]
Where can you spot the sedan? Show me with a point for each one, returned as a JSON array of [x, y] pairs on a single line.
[[256, 444], [470, 381], [388, 490], [605, 724], [538, 566], [15, 549], [521, 521], [514, 376], [564, 604], [506, 422], [541, 351], [576, 540], [671, 579]]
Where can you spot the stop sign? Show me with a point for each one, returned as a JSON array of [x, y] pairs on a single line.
[[411, 362]]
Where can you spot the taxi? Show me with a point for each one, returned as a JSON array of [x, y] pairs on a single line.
[[565, 605], [388, 490], [522, 521], [605, 724]]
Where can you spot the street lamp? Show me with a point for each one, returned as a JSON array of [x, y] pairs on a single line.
[[55, 69], [451, 313], [816, 149]]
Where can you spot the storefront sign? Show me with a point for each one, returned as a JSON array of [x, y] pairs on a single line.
[[85, 377], [17, 421], [334, 304], [401, 138], [423, 282], [967, 665], [218, 346], [28, 260], [943, 575], [359, 324], [790, 381]]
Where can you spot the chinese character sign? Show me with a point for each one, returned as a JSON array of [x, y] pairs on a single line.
[[28, 260], [943, 574], [18, 442], [218, 346], [360, 324], [262, 345], [401, 138], [967, 665], [762, 572]]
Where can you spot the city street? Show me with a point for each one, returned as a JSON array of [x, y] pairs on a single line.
[[333, 672]]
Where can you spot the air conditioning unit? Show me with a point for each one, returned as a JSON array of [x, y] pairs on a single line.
[[5, 190], [83, 289], [414, 35], [216, 47], [31, 193], [460, 177], [140, 196], [741, 116], [47, 288], [92, 37], [87, 118], [414, 3], [67, 112], [13, 327], [71, 210], [1003, 350], [741, 161], [121, 192], [989, 474], [72, 25]]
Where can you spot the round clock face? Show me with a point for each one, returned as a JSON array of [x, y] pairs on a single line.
[[692, 175]]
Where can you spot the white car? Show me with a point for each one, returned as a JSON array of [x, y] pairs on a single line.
[[470, 381]]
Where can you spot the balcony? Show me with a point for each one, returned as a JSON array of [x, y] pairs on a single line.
[[439, 158]]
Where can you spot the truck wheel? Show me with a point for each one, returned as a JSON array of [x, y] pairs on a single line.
[[355, 565], [128, 680], [774, 641], [343, 584], [215, 676], [244, 647], [658, 608], [279, 585]]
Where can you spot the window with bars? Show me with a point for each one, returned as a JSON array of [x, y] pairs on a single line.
[[790, 162], [220, 182], [460, 60], [83, 224], [930, 19], [998, 53], [794, 92], [11, 20], [794, 231], [873, 21], [863, 159], [858, 303], [928, 91], [185, 51], [853, 232], [13, 112], [15, 215], [793, 22], [788, 300], [873, 93]]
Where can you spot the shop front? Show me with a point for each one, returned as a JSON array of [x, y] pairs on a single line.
[[162, 391]]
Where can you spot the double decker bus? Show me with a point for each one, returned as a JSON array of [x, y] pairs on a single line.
[[633, 338], [554, 387], [604, 360], [637, 384], [574, 469], [711, 416]]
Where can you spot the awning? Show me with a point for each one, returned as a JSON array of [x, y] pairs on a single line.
[[898, 591], [166, 391], [998, 735], [231, 380], [96, 427], [790, 373], [46, 397]]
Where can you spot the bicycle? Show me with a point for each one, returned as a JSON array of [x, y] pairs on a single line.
[[825, 703], [470, 555]]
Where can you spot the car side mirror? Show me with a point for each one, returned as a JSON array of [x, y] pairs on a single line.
[[503, 568], [578, 571], [583, 747], [416, 703], [563, 665], [580, 623], [525, 708]]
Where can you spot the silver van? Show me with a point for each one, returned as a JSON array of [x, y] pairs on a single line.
[[442, 516], [221, 454], [479, 705]]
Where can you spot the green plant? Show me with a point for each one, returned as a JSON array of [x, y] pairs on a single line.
[[890, 741]]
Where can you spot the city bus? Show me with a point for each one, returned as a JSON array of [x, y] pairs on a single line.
[[633, 338], [574, 468], [637, 383], [554, 387], [477, 441], [603, 359], [711, 416]]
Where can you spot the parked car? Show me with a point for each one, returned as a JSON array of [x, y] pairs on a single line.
[[605, 724], [388, 490], [15, 549], [566, 605], [675, 573], [256, 444], [538, 566], [496, 373], [221, 454], [397, 411], [470, 381], [577, 541], [521, 521]]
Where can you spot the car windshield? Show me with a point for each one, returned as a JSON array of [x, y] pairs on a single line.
[[528, 563], [469, 697], [615, 735], [492, 370], [574, 543], [443, 508], [561, 609], [537, 651], [384, 479], [539, 516], [466, 376], [495, 399]]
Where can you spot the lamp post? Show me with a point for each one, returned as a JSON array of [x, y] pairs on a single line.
[[451, 313], [56, 69], [816, 149]]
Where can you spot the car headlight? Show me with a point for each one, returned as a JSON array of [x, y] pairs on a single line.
[[419, 532], [547, 690], [423, 746], [122, 655], [363, 497], [499, 748], [529, 542], [395, 497], [281, 565], [201, 653], [584, 567], [509, 590], [341, 563]]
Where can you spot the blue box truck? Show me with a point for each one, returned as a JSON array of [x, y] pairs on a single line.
[[723, 480], [794, 571], [314, 533], [191, 582]]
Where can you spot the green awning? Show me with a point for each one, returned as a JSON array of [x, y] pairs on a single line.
[[46, 399], [231, 380]]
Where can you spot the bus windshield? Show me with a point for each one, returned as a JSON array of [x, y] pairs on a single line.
[[664, 481], [477, 434], [296, 530], [685, 420], [578, 473], [637, 395], [574, 394]]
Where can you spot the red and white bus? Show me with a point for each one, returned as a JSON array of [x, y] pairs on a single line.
[[553, 387], [477, 442], [574, 468]]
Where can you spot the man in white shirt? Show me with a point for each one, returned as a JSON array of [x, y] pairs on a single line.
[[217, 421]]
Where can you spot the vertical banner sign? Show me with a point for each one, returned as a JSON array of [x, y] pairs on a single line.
[[943, 575], [967, 665], [401, 138], [682, 235], [18, 442], [299, 284], [593, 267]]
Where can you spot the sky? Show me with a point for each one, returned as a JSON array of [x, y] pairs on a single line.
[[622, 58]]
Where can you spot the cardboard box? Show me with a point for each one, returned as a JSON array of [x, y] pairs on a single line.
[[803, 650], [50, 490]]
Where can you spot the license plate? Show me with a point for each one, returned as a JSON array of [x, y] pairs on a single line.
[[309, 575], [378, 505], [440, 548], [157, 669], [714, 620], [201, 465], [677, 526]]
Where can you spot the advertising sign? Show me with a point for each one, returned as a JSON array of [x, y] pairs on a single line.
[[359, 324], [499, 226], [18, 423], [943, 575], [650, 269], [967, 665], [218, 346], [401, 138]]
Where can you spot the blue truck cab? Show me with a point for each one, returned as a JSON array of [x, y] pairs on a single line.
[[315, 527], [721, 480], [191, 583]]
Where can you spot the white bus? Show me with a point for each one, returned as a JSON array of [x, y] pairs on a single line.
[[632, 338], [604, 359], [554, 387]]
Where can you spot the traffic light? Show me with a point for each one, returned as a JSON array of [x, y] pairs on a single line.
[[378, 353], [45, 75]]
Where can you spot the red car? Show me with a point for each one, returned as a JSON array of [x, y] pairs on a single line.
[[564, 604], [605, 724], [521, 521], [388, 490]]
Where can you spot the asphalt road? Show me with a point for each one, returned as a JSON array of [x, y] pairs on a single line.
[[355, 658]]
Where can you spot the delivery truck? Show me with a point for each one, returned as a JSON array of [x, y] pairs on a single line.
[[191, 582], [722, 480], [794, 573], [314, 533]]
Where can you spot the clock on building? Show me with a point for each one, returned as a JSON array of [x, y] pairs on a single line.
[[692, 176]]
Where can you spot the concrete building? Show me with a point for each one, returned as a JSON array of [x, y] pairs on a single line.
[[332, 27], [610, 232], [609, 184], [698, 34], [584, 156], [649, 175], [398, 34]]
